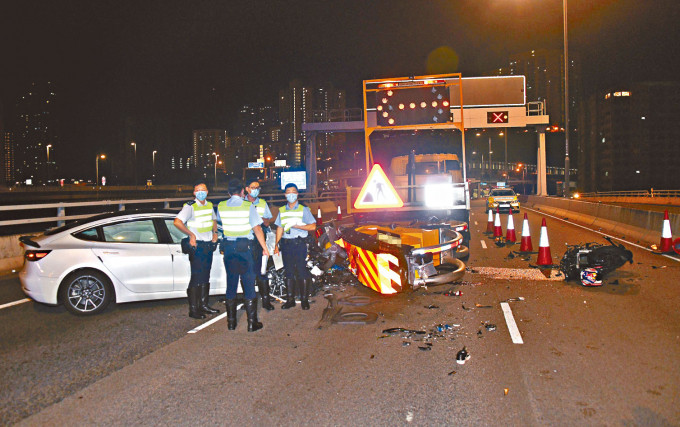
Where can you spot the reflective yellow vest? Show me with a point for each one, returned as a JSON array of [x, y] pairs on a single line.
[[292, 217], [202, 220], [235, 219], [260, 206]]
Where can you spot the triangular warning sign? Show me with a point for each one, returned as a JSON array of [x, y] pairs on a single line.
[[378, 192]]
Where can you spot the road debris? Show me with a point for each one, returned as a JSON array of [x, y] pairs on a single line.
[[490, 327], [514, 299], [462, 356], [452, 373], [483, 306], [404, 330], [431, 306]]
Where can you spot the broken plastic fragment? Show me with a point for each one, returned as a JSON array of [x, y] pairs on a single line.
[[431, 306], [483, 306], [490, 327], [452, 373], [408, 331], [514, 299]]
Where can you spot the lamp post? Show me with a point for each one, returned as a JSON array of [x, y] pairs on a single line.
[[566, 102], [153, 163], [99, 156], [48, 162], [216, 156], [134, 144]]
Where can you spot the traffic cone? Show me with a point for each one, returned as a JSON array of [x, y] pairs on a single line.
[[525, 245], [319, 221], [666, 244], [497, 230], [489, 224], [510, 233], [544, 256], [339, 213]]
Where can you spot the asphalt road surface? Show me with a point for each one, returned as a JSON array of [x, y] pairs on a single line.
[[595, 356]]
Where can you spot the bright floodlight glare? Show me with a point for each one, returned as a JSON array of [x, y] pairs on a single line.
[[438, 195]]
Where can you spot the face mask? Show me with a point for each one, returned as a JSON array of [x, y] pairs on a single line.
[[201, 195], [255, 192], [291, 197]]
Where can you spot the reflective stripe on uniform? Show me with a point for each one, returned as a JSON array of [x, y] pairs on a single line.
[[292, 217], [202, 220], [260, 207], [235, 219]]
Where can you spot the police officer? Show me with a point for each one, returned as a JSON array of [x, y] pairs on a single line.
[[197, 220], [294, 222], [261, 280], [240, 222]]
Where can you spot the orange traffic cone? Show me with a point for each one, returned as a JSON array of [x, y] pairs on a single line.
[[319, 221], [489, 223], [510, 233], [339, 213], [497, 230], [544, 256], [666, 244], [525, 245]]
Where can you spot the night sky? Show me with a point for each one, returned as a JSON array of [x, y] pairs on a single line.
[[173, 66]]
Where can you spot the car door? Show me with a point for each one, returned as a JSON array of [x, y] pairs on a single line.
[[132, 252], [181, 267]]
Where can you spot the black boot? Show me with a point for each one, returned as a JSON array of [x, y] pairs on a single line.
[[194, 294], [263, 286], [290, 295], [231, 314], [205, 294], [304, 298], [251, 312]]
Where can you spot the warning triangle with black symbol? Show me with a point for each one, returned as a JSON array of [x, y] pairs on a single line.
[[378, 192]]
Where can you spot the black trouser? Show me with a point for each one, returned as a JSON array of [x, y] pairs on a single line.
[[294, 253], [238, 262], [201, 263]]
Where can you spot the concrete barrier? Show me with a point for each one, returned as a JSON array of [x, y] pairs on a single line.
[[633, 224]]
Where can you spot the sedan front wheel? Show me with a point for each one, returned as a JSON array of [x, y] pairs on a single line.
[[86, 292]]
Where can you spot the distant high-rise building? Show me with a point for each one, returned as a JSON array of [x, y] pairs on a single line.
[[300, 104], [628, 138], [8, 157], [295, 108], [544, 72], [206, 142], [34, 130]]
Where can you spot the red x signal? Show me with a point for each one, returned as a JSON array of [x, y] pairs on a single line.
[[497, 117]]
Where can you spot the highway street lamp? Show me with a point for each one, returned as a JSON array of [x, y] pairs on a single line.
[[153, 162], [48, 162], [134, 144], [216, 156], [566, 102], [99, 156]]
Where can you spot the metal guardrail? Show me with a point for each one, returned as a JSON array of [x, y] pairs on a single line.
[[120, 205], [639, 193]]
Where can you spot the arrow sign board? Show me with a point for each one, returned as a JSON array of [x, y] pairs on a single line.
[[378, 192], [255, 165]]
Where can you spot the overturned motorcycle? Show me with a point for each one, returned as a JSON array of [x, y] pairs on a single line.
[[591, 262]]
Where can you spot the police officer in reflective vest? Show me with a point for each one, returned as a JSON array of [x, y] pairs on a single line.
[[240, 224], [201, 227], [294, 222], [261, 280]]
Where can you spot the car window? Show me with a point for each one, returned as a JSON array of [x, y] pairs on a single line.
[[176, 235], [427, 168], [142, 231], [90, 234], [502, 193]]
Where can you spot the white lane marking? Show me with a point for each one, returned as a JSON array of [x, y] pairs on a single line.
[[483, 244], [9, 304], [512, 326], [517, 273], [604, 234], [211, 321]]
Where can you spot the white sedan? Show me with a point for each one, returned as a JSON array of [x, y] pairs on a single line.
[[120, 257]]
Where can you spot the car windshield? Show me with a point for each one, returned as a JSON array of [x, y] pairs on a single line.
[[502, 193]]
